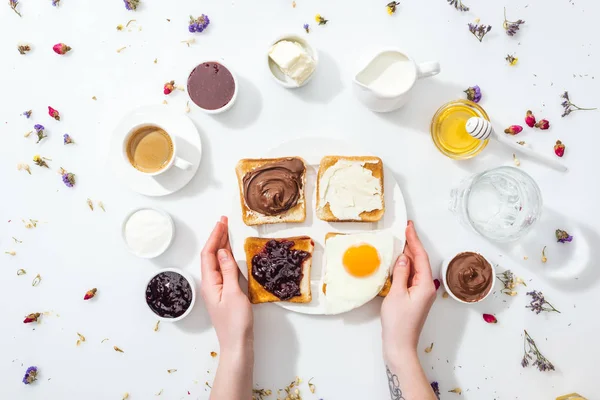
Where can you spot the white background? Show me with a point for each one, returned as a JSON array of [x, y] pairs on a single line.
[[75, 249]]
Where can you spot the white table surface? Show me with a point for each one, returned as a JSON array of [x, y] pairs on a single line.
[[75, 249]]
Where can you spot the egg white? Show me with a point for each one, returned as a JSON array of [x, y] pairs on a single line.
[[345, 292]]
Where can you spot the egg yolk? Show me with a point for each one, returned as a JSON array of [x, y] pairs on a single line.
[[361, 260]]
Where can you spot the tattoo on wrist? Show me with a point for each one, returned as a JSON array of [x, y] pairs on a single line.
[[394, 384]]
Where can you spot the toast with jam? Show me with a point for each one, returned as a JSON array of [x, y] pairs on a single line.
[[272, 190], [279, 269]]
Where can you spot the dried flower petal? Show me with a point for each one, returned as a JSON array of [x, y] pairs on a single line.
[[436, 283], [445, 295], [30, 375], [31, 224], [514, 130], [530, 119], [311, 386], [322, 21], [156, 326], [11, 253], [61, 48], [24, 167], [118, 350], [473, 93], [170, 371], [90, 294], [101, 205], [90, 204], [21, 272], [563, 236], [455, 390], [36, 281], [33, 317], [559, 148], [259, 394], [544, 258], [490, 319], [543, 124], [428, 349], [81, 339]]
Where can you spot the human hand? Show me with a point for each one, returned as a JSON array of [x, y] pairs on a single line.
[[228, 307], [411, 296]]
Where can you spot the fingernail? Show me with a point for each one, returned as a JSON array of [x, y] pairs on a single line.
[[402, 260], [222, 255]]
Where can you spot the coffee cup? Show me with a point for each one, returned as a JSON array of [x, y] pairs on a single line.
[[151, 150]]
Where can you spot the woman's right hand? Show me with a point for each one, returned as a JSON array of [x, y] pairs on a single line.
[[411, 296]]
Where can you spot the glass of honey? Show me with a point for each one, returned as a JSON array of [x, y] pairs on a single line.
[[449, 133]]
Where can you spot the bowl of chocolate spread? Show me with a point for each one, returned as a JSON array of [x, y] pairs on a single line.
[[212, 86], [170, 294], [468, 277]]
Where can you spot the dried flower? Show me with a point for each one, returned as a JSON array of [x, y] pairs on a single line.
[[90, 294], [559, 148], [170, 371], [11, 253], [490, 319], [522, 143], [510, 281], [563, 236], [90, 204], [445, 295], [61, 48], [17, 240], [479, 31], [40, 161], [23, 49], [514, 130], [458, 4], [538, 301], [30, 375], [54, 113], [531, 350], [21, 272], [33, 317], [55, 3], [125, 396], [455, 390], [512, 60], [570, 107], [259, 394], [198, 24], [37, 280], [169, 87], [213, 354], [68, 178], [188, 42], [516, 161], [104, 340], [118, 350], [436, 389], [322, 21], [80, 340], [120, 49], [120, 27], [131, 5], [31, 224], [473, 94], [67, 139], [306, 28], [156, 326], [544, 258], [530, 119], [27, 113], [101, 205], [311, 386], [391, 7], [24, 167], [511, 27], [290, 393], [13, 4], [543, 124], [159, 392], [429, 348], [39, 131]]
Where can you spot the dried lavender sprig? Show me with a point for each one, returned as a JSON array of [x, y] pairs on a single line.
[[567, 105], [530, 349], [479, 31], [458, 4], [13, 4], [511, 27], [538, 301]]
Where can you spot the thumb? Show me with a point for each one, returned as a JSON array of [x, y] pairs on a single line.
[[400, 275], [229, 269]]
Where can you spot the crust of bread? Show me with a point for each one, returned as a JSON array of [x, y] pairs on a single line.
[[374, 164], [386, 286], [256, 292], [251, 217]]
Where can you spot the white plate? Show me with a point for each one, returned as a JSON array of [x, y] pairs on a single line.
[[189, 147], [312, 150]]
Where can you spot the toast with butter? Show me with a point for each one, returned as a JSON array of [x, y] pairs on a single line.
[[258, 283], [272, 190], [357, 192], [386, 286]]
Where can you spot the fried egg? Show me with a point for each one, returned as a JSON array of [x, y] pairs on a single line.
[[357, 267]]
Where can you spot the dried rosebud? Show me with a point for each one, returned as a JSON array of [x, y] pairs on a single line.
[[53, 113], [490, 319], [559, 148], [169, 87], [563, 236], [543, 124], [530, 119], [33, 317], [514, 130], [436, 282], [90, 294], [61, 48]]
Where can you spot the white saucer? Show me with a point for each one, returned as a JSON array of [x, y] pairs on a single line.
[[312, 150], [189, 147]]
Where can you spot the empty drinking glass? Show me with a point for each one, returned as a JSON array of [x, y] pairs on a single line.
[[501, 204]]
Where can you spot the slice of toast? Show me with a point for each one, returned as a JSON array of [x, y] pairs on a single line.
[[256, 292], [386, 286], [251, 217], [374, 164]]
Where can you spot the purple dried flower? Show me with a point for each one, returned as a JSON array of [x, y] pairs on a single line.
[[67, 177], [479, 31], [563, 236], [473, 93], [538, 301], [13, 4], [306, 28], [198, 24], [131, 5], [30, 375], [458, 5], [530, 348], [570, 107], [510, 26], [39, 130], [55, 3], [27, 114], [67, 139], [436, 389]]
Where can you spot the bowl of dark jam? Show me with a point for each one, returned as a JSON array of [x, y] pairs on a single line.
[[170, 294]]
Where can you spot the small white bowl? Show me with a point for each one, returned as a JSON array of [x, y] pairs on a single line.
[[235, 92], [158, 251], [278, 75], [444, 272], [190, 280]]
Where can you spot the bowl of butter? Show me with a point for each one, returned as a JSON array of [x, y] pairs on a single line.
[[292, 61]]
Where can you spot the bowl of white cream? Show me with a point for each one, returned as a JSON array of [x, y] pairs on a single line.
[[292, 61], [148, 232]]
